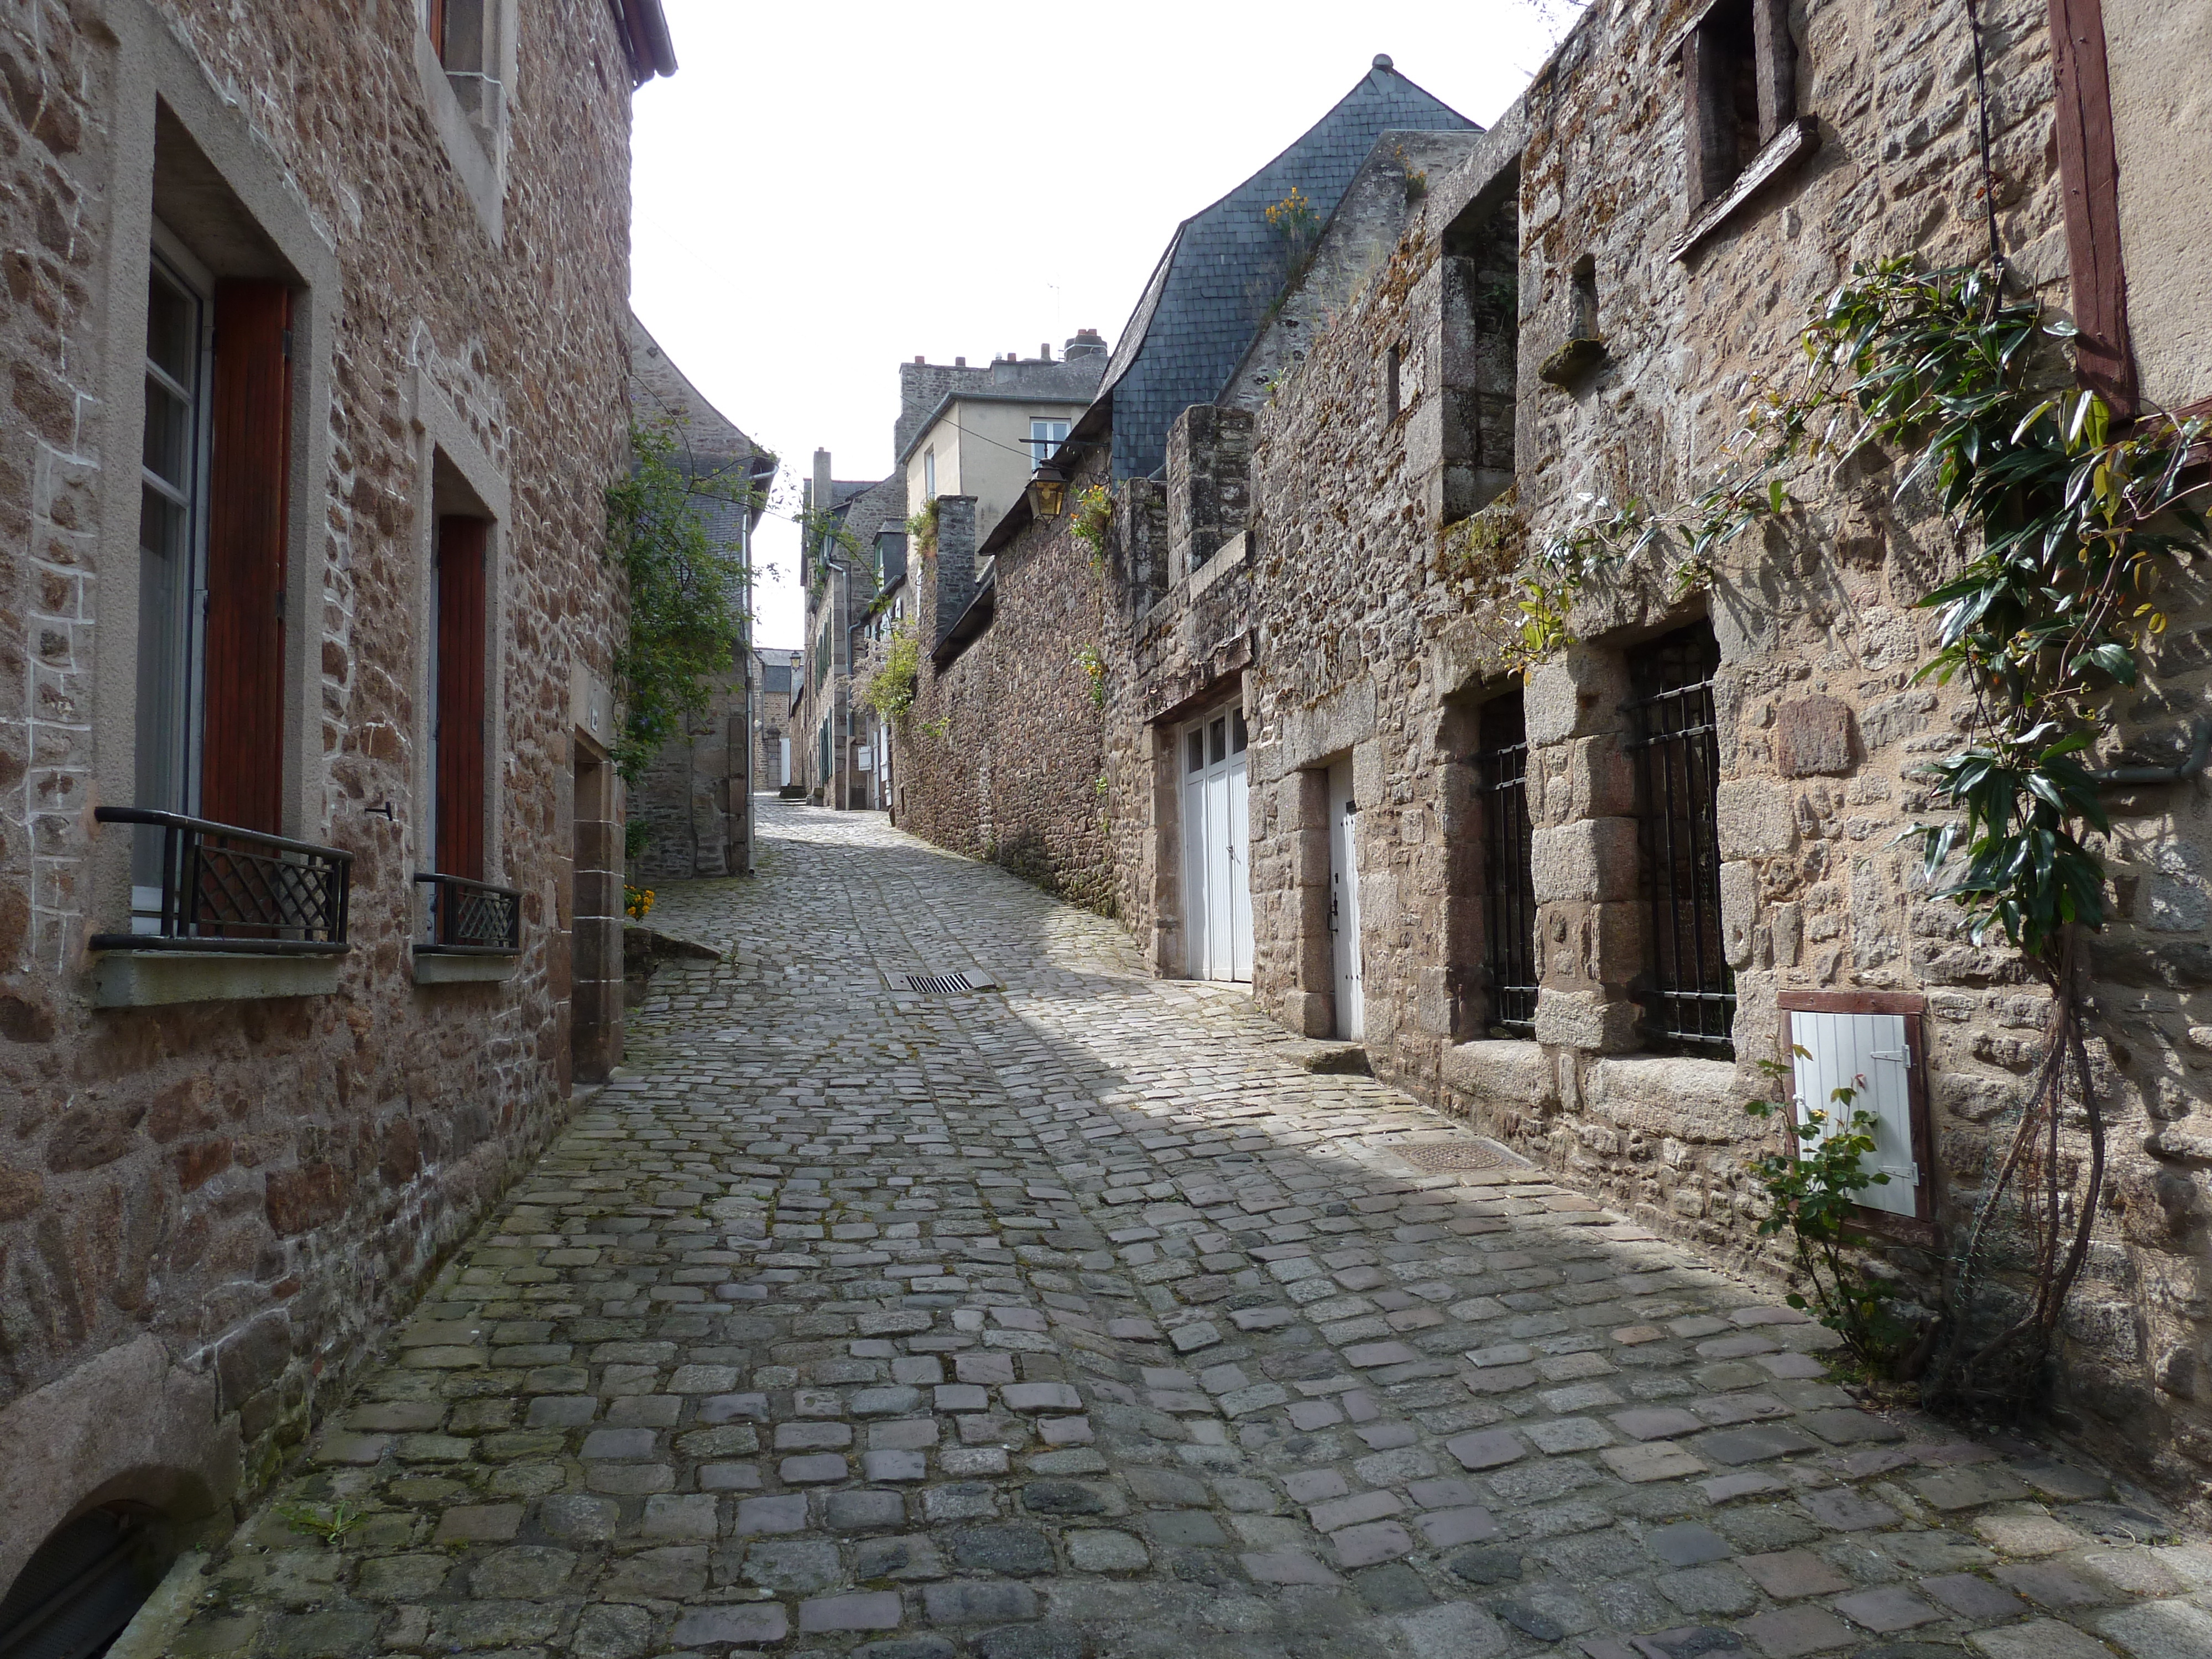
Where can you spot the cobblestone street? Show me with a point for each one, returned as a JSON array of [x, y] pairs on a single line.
[[1077, 1316]]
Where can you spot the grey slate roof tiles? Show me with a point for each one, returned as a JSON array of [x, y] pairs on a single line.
[[1224, 266]]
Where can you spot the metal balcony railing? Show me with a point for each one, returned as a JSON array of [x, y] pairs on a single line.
[[223, 888], [469, 918]]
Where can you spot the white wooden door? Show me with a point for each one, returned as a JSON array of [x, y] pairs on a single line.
[[783, 762], [1865, 1053], [1344, 904], [1216, 834]]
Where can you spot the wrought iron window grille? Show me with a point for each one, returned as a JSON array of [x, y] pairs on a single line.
[[1508, 880], [226, 889], [465, 918], [1689, 998]]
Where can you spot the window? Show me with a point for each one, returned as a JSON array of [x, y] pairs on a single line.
[[1691, 1002], [1045, 436], [929, 475], [172, 522], [1508, 880], [433, 24], [213, 465], [1739, 79], [458, 720], [1390, 394]]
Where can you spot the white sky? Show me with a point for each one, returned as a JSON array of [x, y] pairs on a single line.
[[824, 190]]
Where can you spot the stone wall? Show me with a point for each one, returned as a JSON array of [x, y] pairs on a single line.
[[208, 1209], [1358, 611], [998, 755]]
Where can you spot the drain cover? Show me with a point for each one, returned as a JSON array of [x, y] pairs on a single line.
[[1450, 1155], [936, 984]]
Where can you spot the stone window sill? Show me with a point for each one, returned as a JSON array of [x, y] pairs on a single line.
[[435, 966], [1784, 153], [152, 978]]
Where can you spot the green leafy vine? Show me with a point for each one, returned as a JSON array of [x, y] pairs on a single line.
[[2071, 520], [688, 599]]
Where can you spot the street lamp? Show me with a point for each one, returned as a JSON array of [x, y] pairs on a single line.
[[1047, 491]]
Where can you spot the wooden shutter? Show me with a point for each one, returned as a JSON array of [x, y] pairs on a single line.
[[460, 709], [242, 763], [433, 24]]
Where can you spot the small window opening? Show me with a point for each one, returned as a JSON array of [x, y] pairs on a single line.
[[1739, 78], [1689, 1003], [1216, 742], [1508, 877], [83, 1584], [1045, 436], [1391, 403], [1238, 738], [1585, 298]]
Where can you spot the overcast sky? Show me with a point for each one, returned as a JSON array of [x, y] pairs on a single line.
[[823, 192]]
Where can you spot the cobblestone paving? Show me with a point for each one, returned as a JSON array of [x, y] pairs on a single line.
[[1078, 1317]]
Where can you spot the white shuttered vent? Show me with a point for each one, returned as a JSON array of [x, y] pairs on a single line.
[[1867, 1053]]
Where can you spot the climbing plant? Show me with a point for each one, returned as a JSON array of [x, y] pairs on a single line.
[[889, 690], [1091, 520], [1092, 665], [921, 528], [2071, 522], [688, 601]]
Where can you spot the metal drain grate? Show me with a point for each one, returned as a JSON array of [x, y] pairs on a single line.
[[937, 984], [1450, 1155]]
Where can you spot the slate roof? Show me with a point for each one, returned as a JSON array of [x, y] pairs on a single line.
[[1226, 264]]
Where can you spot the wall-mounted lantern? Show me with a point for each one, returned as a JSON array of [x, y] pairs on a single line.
[[1047, 491]]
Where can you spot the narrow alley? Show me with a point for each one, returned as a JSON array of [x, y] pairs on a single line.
[[1074, 1314]]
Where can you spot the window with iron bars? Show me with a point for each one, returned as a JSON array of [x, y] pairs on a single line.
[[1690, 1001], [1509, 884]]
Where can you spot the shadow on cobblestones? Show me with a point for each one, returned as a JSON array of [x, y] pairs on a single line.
[[1078, 1318]]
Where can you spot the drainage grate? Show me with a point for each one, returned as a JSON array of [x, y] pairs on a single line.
[[1450, 1155], [937, 984]]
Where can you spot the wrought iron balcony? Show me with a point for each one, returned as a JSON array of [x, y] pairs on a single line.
[[469, 918], [226, 889]]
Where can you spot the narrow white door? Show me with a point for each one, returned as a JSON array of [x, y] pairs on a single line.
[[1239, 829], [1194, 862], [1867, 1054], [783, 764], [1344, 904], [1216, 831]]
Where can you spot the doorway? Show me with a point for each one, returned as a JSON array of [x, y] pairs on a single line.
[[1217, 835], [1344, 904]]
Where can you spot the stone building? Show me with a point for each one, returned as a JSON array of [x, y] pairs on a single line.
[[309, 841], [778, 674], [837, 571], [691, 812], [1581, 905]]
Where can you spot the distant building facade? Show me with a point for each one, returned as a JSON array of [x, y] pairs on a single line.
[[778, 673]]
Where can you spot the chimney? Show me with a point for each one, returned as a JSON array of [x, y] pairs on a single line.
[[956, 560], [1086, 342], [959, 363], [919, 358], [1044, 351]]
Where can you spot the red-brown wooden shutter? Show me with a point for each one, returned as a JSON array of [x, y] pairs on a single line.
[[242, 752], [461, 697]]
